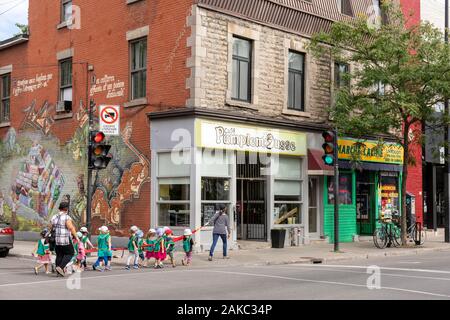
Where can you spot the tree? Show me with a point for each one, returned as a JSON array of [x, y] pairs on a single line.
[[410, 62], [23, 29]]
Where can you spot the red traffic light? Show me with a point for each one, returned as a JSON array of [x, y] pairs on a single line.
[[328, 136], [98, 136]]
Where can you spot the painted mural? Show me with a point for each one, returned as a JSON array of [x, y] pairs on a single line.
[[37, 172]]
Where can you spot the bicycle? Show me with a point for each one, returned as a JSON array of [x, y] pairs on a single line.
[[417, 233], [387, 234]]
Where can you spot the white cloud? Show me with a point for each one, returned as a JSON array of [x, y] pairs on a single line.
[[18, 13]]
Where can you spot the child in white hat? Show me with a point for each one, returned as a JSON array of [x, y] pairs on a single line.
[[104, 249], [133, 248], [188, 244]]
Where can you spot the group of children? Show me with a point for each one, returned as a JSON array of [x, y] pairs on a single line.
[[157, 244]]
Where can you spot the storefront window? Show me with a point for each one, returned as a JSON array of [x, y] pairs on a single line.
[[173, 190], [345, 189], [177, 215], [215, 191], [288, 191], [389, 195]]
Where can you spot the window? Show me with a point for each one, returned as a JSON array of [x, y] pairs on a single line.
[[345, 7], [173, 191], [288, 191], [345, 189], [242, 51], [296, 81], [138, 53], [341, 72], [66, 10], [390, 200], [215, 183], [65, 85], [5, 102], [215, 191]]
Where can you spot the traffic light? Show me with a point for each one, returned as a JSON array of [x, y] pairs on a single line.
[[98, 151], [328, 148]]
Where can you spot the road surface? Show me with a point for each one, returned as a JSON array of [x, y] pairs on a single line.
[[425, 276]]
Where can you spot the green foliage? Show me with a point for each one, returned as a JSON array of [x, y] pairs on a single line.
[[24, 29], [412, 63]]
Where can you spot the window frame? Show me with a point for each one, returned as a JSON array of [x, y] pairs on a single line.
[[5, 98], [338, 85], [138, 70], [303, 82], [301, 197], [62, 87], [64, 3], [240, 59], [160, 202]]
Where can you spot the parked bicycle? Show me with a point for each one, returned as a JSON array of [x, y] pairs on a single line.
[[388, 233]]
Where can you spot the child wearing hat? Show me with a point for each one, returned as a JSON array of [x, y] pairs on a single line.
[[86, 243], [104, 249], [80, 252], [160, 249], [170, 245], [140, 241], [133, 249], [150, 246], [42, 250], [188, 244]]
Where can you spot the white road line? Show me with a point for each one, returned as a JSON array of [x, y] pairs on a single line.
[[325, 282], [382, 268], [382, 274]]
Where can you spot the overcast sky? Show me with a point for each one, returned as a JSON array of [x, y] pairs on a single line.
[[12, 11]]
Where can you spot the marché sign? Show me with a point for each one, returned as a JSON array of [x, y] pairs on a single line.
[[370, 151]]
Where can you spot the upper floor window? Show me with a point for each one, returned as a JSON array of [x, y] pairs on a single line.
[[340, 78], [138, 55], [242, 61], [345, 7], [5, 101], [296, 94], [65, 85], [66, 10]]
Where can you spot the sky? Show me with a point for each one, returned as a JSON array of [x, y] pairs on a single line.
[[12, 11]]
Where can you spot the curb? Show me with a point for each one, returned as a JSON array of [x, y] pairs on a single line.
[[309, 260]]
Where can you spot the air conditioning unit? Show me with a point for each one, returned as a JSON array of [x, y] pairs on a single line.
[[64, 106]]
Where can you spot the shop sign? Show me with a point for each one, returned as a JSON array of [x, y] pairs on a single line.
[[370, 151], [226, 135]]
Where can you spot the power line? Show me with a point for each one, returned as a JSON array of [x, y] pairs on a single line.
[[16, 5]]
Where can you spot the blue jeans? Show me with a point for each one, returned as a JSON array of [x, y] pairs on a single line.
[[224, 241]]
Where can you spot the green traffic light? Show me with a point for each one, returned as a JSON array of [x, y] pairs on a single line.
[[328, 160]]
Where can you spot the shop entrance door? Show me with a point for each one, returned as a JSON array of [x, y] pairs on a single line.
[[251, 200], [365, 203]]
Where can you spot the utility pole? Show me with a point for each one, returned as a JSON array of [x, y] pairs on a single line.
[[336, 192], [447, 139], [89, 170]]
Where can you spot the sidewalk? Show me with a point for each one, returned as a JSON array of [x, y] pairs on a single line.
[[261, 254]]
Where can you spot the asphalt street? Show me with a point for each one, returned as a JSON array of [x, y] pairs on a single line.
[[425, 276]]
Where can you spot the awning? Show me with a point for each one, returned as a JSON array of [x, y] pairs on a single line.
[[372, 166], [316, 166]]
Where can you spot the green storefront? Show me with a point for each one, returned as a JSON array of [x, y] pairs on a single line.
[[368, 188]]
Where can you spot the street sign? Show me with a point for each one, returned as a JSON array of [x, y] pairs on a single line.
[[110, 120]]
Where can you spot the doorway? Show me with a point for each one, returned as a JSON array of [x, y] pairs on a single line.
[[251, 197], [313, 208], [365, 203]]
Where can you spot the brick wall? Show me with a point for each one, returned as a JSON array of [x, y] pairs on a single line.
[[123, 198]]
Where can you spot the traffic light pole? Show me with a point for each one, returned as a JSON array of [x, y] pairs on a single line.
[[336, 192], [89, 171], [447, 141]]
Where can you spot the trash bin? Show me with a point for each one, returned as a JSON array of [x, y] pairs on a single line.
[[278, 236]]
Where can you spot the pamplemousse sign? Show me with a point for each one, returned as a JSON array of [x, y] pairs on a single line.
[[227, 135]]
